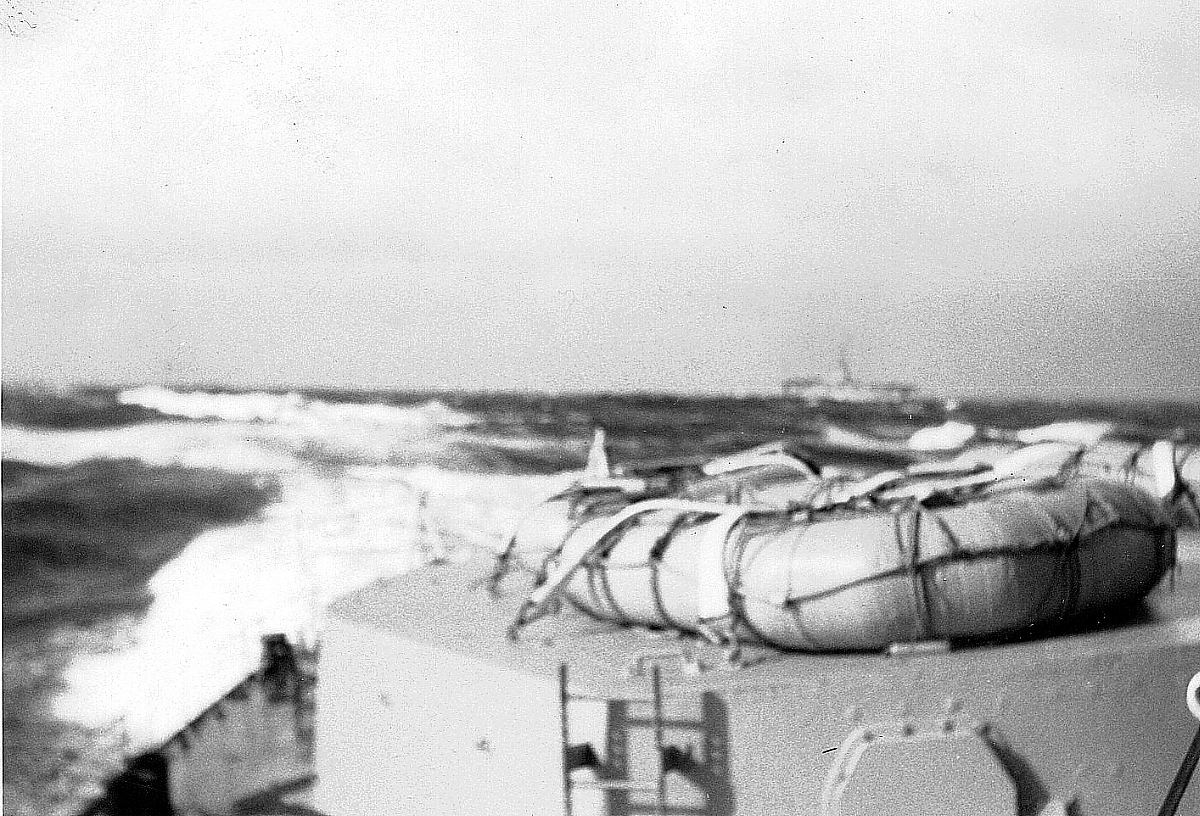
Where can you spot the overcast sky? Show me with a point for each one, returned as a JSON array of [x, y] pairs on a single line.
[[604, 195]]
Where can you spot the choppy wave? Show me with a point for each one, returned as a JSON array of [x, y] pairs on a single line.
[[80, 544], [362, 491], [291, 408], [953, 434], [163, 625], [213, 602], [69, 408], [949, 435], [261, 432], [159, 444]]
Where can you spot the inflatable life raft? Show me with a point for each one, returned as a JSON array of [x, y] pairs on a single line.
[[1006, 556]]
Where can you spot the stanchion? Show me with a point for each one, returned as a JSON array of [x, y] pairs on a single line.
[[1179, 785]]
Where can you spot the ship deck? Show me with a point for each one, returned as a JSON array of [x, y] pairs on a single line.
[[422, 685], [447, 608]]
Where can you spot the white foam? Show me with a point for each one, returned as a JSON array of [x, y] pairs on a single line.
[[229, 587], [164, 444], [333, 529], [1081, 432], [291, 408], [950, 435]]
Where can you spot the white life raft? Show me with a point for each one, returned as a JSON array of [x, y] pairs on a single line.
[[1002, 560]]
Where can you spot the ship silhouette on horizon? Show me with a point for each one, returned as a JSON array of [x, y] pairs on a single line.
[[843, 388]]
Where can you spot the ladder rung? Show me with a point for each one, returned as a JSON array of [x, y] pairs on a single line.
[[642, 722], [599, 698], [577, 756], [636, 785]]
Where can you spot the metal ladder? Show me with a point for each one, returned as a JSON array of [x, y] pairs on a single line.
[[584, 756]]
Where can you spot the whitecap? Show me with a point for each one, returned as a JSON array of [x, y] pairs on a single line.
[[291, 408]]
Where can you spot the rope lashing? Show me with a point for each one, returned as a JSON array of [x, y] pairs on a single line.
[[505, 558], [557, 573], [715, 604]]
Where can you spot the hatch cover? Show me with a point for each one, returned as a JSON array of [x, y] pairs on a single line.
[[900, 770]]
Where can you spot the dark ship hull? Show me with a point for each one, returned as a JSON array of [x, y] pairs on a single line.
[[249, 752]]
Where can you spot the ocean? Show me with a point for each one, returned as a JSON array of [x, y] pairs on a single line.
[[152, 536]]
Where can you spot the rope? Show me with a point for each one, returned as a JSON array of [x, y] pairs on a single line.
[[1071, 549], [735, 550], [951, 536], [656, 568], [717, 602], [796, 541], [1067, 549], [916, 574], [1183, 490], [598, 580], [504, 559], [551, 581], [600, 594]]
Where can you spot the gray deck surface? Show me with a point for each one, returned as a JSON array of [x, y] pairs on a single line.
[[445, 607]]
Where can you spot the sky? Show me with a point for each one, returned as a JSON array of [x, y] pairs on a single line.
[[979, 198]]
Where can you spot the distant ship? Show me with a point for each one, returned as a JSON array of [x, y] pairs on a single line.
[[844, 389], [831, 389]]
